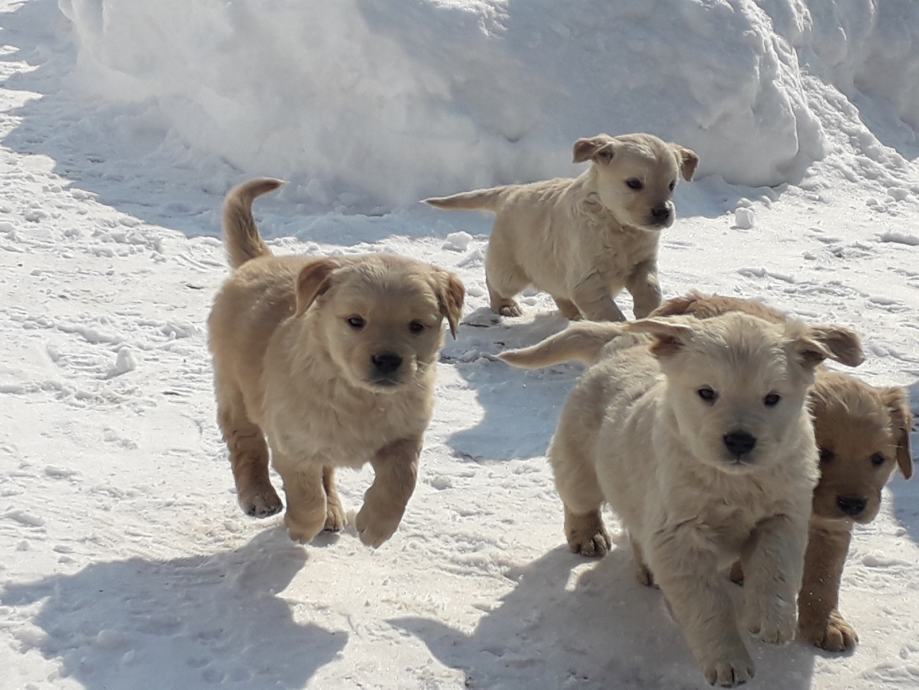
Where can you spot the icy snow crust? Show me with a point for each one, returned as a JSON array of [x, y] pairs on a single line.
[[387, 102], [126, 563]]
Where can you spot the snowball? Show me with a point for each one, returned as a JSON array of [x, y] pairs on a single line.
[[124, 363], [744, 217], [457, 241]]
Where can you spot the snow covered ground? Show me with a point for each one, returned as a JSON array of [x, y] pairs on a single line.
[[126, 562]]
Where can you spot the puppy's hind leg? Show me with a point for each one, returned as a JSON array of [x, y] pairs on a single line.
[[335, 513], [582, 497], [503, 276], [567, 308], [248, 455], [642, 571]]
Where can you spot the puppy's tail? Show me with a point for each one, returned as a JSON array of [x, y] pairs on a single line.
[[580, 342], [476, 200], [240, 234]]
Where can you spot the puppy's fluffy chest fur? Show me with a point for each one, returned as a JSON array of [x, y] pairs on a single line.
[[654, 484], [318, 416]]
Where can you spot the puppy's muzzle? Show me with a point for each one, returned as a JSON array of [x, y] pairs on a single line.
[[662, 215], [853, 506], [386, 363], [739, 443], [386, 369]]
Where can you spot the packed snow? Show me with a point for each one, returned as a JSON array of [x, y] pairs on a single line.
[[126, 561]]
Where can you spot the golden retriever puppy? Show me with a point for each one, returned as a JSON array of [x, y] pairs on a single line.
[[583, 240], [863, 433], [333, 360], [700, 440]]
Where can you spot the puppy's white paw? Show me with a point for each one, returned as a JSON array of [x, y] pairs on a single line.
[[303, 532], [730, 670], [373, 530], [773, 621], [260, 502], [507, 308], [593, 545]]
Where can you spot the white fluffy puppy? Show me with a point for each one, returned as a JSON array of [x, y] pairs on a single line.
[[700, 440], [583, 240]]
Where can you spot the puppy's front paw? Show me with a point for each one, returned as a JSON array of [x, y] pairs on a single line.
[[593, 545], [507, 308], [773, 620], [303, 531], [372, 529], [730, 670], [834, 635], [586, 534], [260, 501]]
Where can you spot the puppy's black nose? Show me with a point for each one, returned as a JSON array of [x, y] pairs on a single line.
[[739, 442], [386, 362], [851, 505], [660, 213]]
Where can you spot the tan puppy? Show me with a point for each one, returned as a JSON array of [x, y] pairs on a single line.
[[333, 359], [702, 444], [863, 433], [583, 240]]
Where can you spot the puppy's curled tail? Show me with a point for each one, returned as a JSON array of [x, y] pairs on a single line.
[[580, 342], [240, 234], [476, 200]]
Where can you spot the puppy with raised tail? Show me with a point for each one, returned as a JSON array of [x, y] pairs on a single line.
[[583, 240], [862, 432], [697, 434], [333, 360]]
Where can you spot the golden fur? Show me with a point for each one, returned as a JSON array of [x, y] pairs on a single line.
[[583, 240], [333, 360], [863, 434], [638, 432]]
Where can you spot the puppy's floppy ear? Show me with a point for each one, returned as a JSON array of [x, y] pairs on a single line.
[[598, 149], [670, 335], [808, 351], [687, 159], [901, 421], [843, 344], [450, 295], [314, 280]]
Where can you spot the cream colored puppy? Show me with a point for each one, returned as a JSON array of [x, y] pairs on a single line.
[[333, 359], [700, 440], [583, 240], [863, 433]]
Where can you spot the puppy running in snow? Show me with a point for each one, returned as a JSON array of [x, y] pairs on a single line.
[[333, 359], [863, 434], [700, 440], [583, 240]]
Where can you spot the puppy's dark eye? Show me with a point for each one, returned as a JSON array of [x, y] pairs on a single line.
[[877, 459], [772, 400], [356, 322], [634, 183], [672, 185], [826, 455], [416, 327], [707, 394]]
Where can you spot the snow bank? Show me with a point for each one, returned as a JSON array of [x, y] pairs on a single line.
[[370, 102]]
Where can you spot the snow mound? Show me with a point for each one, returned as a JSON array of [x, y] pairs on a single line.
[[368, 103]]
